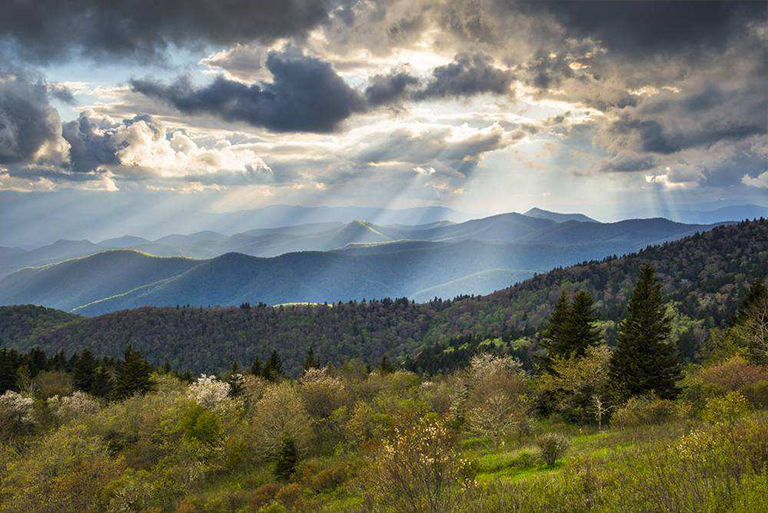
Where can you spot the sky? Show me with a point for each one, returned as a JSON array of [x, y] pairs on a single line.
[[484, 106]]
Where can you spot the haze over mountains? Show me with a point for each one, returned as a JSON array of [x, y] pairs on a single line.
[[318, 262]]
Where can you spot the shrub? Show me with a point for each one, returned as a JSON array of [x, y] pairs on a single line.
[[289, 494], [553, 446], [322, 393], [417, 470], [757, 394], [281, 414], [50, 383], [264, 494], [202, 425], [329, 478], [72, 407], [497, 417], [208, 391], [16, 414], [727, 408], [644, 411], [733, 374]]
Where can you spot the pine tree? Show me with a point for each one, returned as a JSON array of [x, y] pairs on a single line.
[[644, 361], [256, 369], [580, 330], [37, 361], [102, 383], [311, 362], [84, 372], [133, 375], [8, 371], [273, 370], [554, 338], [286, 460], [757, 291], [235, 380]]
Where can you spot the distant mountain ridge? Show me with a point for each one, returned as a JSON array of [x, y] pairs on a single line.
[[329, 262], [558, 217]]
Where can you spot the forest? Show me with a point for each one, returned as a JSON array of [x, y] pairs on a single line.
[[703, 278], [571, 417]]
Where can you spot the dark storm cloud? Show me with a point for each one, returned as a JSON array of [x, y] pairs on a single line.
[[306, 95], [91, 143], [467, 75], [27, 120], [62, 93], [648, 28], [389, 89], [629, 164], [53, 30]]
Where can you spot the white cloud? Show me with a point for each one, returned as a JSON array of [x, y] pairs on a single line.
[[760, 181]]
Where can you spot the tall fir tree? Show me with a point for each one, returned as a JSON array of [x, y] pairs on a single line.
[[8, 370], [84, 372], [273, 370], [256, 369], [102, 383], [644, 360], [554, 338], [286, 460], [311, 362], [235, 380], [581, 331], [133, 375]]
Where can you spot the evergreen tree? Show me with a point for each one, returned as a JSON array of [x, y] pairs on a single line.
[[580, 330], [554, 338], [311, 362], [84, 373], [235, 380], [273, 370], [644, 361], [286, 460], [256, 369], [102, 383], [757, 291], [37, 361], [8, 371], [133, 375]]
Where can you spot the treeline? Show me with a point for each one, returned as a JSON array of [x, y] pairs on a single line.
[[702, 276]]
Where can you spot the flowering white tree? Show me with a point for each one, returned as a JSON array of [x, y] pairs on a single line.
[[73, 406], [16, 414], [209, 391]]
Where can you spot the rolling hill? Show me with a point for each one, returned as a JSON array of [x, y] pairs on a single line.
[[558, 217], [373, 262], [703, 276]]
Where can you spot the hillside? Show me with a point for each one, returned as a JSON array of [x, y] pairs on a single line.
[[704, 276], [372, 261], [23, 322]]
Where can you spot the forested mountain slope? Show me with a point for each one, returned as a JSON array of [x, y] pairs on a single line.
[[704, 276]]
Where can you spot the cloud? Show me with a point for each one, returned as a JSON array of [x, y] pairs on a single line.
[[30, 128], [47, 31], [389, 89], [468, 75], [306, 95], [628, 164], [760, 181]]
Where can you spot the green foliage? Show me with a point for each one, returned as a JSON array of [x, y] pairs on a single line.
[[552, 447], [727, 408], [286, 460], [133, 375], [644, 411], [644, 361], [202, 425]]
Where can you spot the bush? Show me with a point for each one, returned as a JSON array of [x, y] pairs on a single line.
[[264, 494], [733, 374], [553, 446], [726, 409], [16, 414], [417, 470], [757, 394], [330, 478], [209, 391], [289, 494], [281, 414], [72, 407], [644, 411]]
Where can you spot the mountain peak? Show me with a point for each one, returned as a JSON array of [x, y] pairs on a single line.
[[557, 216]]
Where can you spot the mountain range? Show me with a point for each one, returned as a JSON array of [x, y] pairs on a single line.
[[703, 277], [321, 262]]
